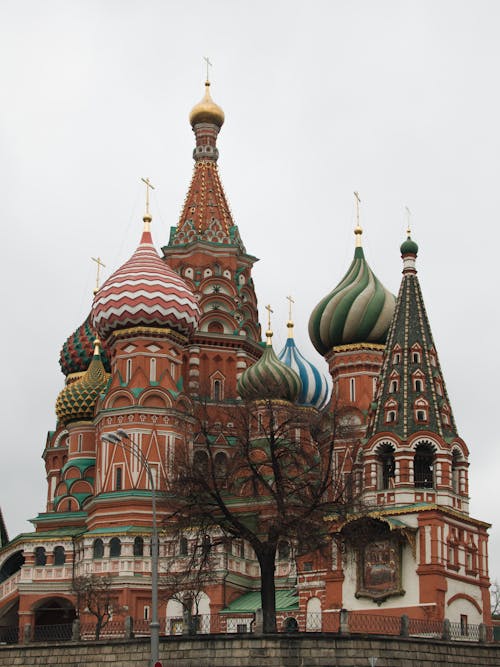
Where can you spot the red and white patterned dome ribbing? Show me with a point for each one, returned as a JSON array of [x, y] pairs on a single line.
[[144, 292]]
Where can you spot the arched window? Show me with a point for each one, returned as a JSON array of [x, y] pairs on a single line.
[[138, 546], [128, 373], [115, 547], [152, 369], [455, 472], [98, 549], [423, 466], [387, 466], [393, 387], [391, 416], [415, 357], [217, 390], [200, 461], [220, 462], [119, 478], [59, 555], [313, 615], [183, 546], [283, 550], [40, 556]]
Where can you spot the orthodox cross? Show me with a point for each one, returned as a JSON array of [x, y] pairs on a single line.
[[290, 301], [408, 215], [358, 202], [269, 311], [148, 186], [100, 266], [209, 64]]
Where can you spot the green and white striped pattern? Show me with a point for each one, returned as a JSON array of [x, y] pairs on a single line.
[[269, 378], [358, 310]]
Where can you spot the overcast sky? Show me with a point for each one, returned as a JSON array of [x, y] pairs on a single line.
[[396, 99]]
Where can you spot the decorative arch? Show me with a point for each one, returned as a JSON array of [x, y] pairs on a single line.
[[155, 399], [59, 437], [120, 399], [464, 596]]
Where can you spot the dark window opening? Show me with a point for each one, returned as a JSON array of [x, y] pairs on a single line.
[[59, 556], [40, 556], [115, 547], [98, 548], [424, 467], [138, 546]]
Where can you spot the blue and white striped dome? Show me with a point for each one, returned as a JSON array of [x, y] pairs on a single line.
[[314, 386]]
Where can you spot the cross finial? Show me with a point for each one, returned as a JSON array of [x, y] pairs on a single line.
[[148, 186], [269, 332], [289, 324], [100, 266], [358, 231], [408, 217], [209, 64]]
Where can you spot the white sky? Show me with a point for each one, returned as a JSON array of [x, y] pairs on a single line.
[[396, 99]]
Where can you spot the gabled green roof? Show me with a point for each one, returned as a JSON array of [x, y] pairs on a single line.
[[286, 600]]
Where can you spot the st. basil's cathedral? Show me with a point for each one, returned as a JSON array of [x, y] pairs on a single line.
[[167, 330]]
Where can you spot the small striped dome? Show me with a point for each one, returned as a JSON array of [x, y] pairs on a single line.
[[358, 310], [77, 400], [314, 386], [269, 378], [76, 353], [144, 291]]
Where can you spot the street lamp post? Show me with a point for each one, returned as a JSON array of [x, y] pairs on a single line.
[[130, 446]]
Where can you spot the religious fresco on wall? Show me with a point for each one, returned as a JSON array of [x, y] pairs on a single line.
[[379, 570]]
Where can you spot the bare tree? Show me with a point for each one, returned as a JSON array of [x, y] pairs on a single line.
[[495, 598], [93, 593], [189, 571], [276, 484]]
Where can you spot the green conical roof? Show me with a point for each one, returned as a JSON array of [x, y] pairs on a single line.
[[358, 310], [411, 395]]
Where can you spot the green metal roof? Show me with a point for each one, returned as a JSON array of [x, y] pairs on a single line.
[[119, 529], [82, 464], [286, 600]]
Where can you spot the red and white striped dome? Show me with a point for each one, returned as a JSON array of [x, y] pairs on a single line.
[[144, 292]]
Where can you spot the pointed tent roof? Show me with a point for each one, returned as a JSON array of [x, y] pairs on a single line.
[[411, 384], [206, 215]]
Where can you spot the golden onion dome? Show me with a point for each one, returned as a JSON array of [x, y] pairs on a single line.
[[206, 111]]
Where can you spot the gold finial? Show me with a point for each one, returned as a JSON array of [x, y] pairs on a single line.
[[209, 64], [97, 346], [358, 231], [269, 333], [147, 216], [289, 324], [408, 216], [100, 266]]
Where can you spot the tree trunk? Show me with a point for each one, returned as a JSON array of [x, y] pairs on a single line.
[[267, 591]]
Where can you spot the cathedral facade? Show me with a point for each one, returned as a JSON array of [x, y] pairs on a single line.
[[167, 331]]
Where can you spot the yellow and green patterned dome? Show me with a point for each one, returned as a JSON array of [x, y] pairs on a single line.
[[358, 310], [76, 402]]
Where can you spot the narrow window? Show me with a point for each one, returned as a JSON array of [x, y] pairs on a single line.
[[59, 556], [146, 612], [352, 386], [98, 549], [172, 370], [152, 370], [217, 390], [138, 546], [464, 624], [415, 357], [40, 556], [396, 358], [80, 442], [393, 386], [419, 385], [115, 547], [118, 479], [374, 387], [423, 467], [128, 374], [183, 546], [421, 415]]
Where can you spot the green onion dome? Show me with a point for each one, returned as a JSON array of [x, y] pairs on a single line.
[[409, 247], [269, 378], [76, 402], [358, 310], [77, 352]]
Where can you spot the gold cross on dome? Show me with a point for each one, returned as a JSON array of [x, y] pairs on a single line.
[[358, 202], [269, 311], [408, 216], [209, 64], [148, 186], [290, 301], [100, 266]]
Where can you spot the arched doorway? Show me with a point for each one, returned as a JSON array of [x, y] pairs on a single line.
[[11, 565], [53, 619]]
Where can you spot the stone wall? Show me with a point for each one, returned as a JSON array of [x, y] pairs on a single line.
[[253, 651]]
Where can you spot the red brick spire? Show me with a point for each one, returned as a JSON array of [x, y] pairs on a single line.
[[205, 215]]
